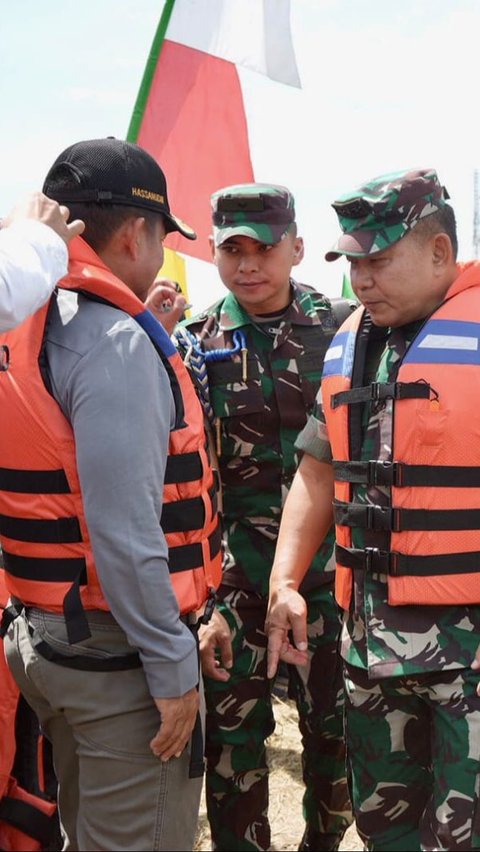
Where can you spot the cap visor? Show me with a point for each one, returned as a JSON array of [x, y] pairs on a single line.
[[358, 244], [177, 225], [266, 234]]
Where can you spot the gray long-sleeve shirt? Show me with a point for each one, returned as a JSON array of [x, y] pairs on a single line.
[[112, 387]]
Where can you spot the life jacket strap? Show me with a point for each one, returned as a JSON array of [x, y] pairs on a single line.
[[396, 564], [196, 767], [28, 819], [187, 514], [384, 518], [58, 530], [197, 751], [186, 557], [34, 481], [380, 391], [398, 474], [185, 467], [52, 570]]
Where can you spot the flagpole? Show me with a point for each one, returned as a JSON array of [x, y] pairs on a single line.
[[148, 74]]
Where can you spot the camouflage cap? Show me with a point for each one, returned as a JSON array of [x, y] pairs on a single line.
[[379, 213], [261, 211]]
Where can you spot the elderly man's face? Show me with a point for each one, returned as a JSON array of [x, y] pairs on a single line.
[[400, 284]]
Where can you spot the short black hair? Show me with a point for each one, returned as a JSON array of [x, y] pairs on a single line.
[[440, 222], [101, 219]]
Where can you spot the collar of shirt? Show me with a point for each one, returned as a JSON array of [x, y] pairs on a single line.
[[303, 309]]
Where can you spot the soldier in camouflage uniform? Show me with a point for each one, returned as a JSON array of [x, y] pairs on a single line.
[[411, 671], [256, 356]]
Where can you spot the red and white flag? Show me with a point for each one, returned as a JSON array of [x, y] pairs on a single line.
[[190, 112]]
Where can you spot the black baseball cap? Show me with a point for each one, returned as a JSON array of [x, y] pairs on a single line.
[[112, 171]]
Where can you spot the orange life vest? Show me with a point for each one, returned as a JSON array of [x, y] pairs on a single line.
[[47, 552], [434, 474], [26, 819]]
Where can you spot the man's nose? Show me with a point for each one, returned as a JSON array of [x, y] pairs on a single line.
[[248, 261], [361, 277]]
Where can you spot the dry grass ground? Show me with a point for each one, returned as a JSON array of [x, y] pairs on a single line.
[[286, 788]]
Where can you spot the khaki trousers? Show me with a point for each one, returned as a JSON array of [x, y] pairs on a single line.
[[113, 793]]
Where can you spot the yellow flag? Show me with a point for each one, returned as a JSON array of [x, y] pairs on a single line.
[[174, 269]]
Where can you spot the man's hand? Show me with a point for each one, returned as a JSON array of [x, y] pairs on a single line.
[[38, 206], [287, 611], [215, 636], [178, 717], [166, 303]]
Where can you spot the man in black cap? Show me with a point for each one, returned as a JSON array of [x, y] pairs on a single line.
[[110, 538], [397, 452], [256, 356]]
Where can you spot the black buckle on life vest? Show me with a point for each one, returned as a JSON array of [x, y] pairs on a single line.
[[394, 563], [381, 519], [385, 473], [382, 390], [372, 555], [401, 390], [380, 561]]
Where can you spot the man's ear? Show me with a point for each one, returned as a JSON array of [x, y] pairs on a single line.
[[132, 234], [298, 251], [442, 251], [211, 242]]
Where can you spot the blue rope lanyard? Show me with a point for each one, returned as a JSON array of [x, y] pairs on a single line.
[[196, 358], [239, 345]]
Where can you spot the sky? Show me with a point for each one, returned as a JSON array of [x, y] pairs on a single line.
[[386, 85]]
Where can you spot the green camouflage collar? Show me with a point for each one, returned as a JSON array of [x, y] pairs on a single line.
[[303, 310], [232, 315]]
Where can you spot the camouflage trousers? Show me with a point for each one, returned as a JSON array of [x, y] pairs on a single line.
[[240, 718], [413, 745]]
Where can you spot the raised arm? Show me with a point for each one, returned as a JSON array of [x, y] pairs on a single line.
[[33, 256]]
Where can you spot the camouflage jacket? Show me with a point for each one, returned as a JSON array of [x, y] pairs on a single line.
[[258, 401]]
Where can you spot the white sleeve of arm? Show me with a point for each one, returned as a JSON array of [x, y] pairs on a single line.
[[32, 259]]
